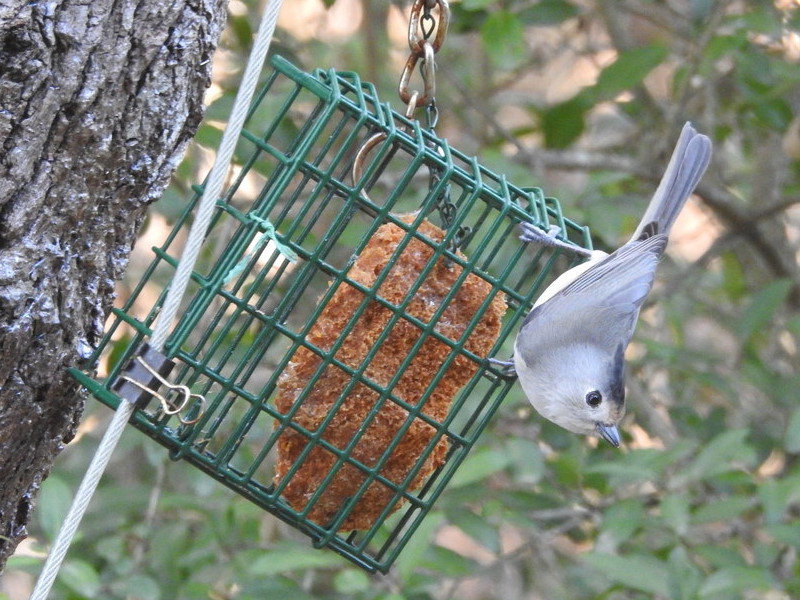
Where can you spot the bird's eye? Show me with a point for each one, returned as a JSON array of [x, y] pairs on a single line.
[[594, 398]]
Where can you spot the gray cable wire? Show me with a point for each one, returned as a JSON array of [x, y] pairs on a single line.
[[171, 304]]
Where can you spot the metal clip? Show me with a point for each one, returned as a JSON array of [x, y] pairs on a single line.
[[131, 388]]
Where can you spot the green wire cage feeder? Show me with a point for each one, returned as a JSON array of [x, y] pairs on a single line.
[[331, 350]]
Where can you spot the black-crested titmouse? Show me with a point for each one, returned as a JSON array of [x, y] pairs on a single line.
[[569, 353]]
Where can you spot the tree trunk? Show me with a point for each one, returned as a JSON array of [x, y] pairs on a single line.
[[98, 100]]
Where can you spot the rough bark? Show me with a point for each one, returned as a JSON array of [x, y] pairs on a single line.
[[97, 102]]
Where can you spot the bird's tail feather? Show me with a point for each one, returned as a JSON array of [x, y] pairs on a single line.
[[688, 163]]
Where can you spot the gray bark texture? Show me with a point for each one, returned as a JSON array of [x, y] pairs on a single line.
[[98, 100]]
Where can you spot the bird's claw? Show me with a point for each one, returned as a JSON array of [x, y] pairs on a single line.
[[505, 367], [531, 233]]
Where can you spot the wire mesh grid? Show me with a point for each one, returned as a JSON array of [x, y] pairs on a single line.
[[338, 327]]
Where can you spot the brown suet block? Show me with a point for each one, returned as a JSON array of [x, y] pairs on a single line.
[[349, 420]]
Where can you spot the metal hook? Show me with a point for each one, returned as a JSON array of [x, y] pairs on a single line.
[[361, 155]]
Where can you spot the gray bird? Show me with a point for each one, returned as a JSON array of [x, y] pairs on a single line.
[[569, 354]]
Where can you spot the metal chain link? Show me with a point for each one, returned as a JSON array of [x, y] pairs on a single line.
[[427, 30], [422, 25], [426, 36]]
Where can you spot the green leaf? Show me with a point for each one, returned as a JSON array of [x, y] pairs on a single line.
[[721, 45], [240, 26], [675, 512], [776, 495], [526, 460], [735, 283], [791, 440], [416, 548], [764, 21], [504, 39], [114, 548], [774, 112], [253, 589], [722, 510], [30, 564], [466, 20], [292, 558], [54, 503], [220, 109], [628, 71], [787, 534], [718, 456], [479, 465], [640, 572], [684, 577], [640, 465], [622, 472], [762, 309], [476, 4], [733, 580], [478, 528], [564, 123], [80, 577], [720, 557], [447, 563], [136, 586], [622, 519], [208, 135], [548, 12], [610, 219], [351, 581], [793, 325], [767, 553], [567, 467]]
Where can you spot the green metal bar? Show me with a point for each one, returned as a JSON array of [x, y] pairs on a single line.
[[326, 93]]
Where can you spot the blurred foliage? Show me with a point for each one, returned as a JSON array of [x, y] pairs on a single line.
[[584, 98]]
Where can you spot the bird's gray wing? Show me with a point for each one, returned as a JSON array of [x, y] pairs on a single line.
[[602, 305], [623, 277]]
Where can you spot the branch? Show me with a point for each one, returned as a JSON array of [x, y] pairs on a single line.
[[720, 201], [746, 224]]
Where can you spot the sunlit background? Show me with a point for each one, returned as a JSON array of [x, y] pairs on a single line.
[[584, 99]]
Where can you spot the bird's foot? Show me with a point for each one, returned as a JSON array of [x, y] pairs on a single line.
[[506, 367], [530, 233]]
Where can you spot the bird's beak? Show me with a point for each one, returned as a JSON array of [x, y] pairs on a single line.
[[609, 433]]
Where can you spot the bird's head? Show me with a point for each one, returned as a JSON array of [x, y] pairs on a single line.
[[590, 396]]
